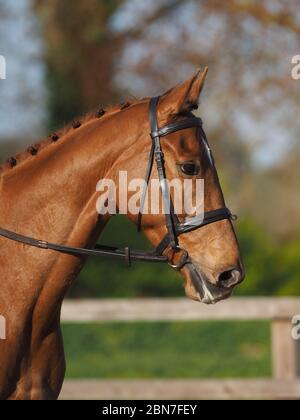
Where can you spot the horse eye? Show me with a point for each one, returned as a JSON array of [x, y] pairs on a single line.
[[189, 168]]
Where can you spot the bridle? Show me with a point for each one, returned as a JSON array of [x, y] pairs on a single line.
[[175, 228]]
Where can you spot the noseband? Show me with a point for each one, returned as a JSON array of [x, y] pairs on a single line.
[[175, 228]]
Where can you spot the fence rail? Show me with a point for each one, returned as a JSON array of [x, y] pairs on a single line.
[[285, 354]]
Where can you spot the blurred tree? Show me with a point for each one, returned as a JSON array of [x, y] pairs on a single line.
[[82, 49], [275, 192], [98, 50], [79, 55], [250, 103]]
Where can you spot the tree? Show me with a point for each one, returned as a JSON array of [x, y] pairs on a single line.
[[80, 51]]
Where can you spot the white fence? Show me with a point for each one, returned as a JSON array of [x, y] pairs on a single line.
[[285, 350]]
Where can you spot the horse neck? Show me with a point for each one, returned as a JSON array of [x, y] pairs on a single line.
[[52, 196], [56, 189]]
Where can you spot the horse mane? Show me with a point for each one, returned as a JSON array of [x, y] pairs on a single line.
[[59, 135]]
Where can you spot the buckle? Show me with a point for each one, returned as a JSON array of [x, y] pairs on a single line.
[[183, 260], [154, 134], [43, 244]]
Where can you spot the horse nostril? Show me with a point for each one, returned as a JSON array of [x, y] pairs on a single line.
[[229, 278]]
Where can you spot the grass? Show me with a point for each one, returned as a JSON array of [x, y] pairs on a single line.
[[168, 350]]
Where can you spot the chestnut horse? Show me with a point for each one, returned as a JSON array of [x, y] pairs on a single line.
[[49, 192]]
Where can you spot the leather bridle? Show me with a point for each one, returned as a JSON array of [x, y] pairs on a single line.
[[175, 228]]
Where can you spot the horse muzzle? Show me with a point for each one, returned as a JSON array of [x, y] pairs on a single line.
[[206, 292]]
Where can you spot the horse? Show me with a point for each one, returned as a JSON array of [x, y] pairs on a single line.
[[49, 192]]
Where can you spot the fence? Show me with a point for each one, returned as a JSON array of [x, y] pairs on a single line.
[[285, 382]]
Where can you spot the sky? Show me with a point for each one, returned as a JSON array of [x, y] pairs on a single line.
[[23, 92]]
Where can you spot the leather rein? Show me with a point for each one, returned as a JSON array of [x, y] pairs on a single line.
[[174, 227]]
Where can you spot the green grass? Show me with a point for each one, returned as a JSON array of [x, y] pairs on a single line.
[[168, 350]]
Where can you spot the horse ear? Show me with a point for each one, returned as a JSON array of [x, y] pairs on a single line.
[[182, 98]]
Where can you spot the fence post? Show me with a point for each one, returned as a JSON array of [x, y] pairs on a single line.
[[284, 350]]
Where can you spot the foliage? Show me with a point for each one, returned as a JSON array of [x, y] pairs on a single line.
[[272, 267], [168, 350], [108, 278]]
